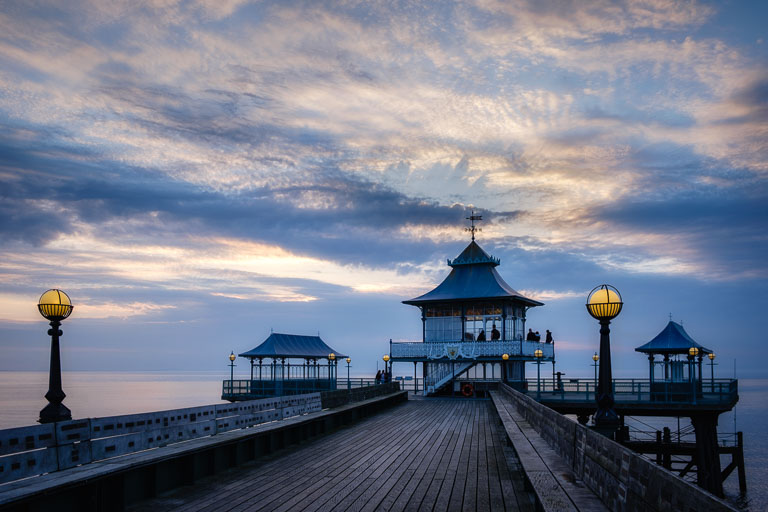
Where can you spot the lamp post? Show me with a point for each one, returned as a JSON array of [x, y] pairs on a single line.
[[349, 384], [595, 358], [538, 354], [55, 306], [692, 353], [385, 357], [331, 361], [232, 357], [604, 304], [504, 376], [711, 357]]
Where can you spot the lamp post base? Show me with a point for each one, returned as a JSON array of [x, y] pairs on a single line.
[[54, 412], [605, 420], [607, 429]]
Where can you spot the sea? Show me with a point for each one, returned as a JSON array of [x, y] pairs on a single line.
[[99, 394]]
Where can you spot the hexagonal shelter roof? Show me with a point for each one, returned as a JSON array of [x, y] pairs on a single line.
[[292, 345], [672, 340], [473, 276]]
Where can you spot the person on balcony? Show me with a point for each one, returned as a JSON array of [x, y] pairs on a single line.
[[537, 336], [549, 337], [530, 336], [481, 336], [495, 334]]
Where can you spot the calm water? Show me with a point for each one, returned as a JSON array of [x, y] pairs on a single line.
[[95, 394]]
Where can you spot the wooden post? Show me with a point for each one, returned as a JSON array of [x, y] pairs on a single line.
[[740, 461], [667, 440], [708, 471], [659, 460]]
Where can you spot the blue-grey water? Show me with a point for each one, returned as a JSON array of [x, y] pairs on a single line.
[[95, 394]]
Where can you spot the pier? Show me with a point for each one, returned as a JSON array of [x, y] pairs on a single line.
[[477, 436], [371, 451]]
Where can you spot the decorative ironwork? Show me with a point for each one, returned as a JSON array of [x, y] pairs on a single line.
[[469, 349], [472, 218]]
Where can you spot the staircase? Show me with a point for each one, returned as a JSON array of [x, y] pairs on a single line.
[[442, 373]]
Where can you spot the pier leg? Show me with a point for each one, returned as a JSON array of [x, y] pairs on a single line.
[[740, 462], [658, 445], [708, 474]]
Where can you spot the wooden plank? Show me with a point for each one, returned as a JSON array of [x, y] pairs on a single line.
[[442, 493], [404, 495], [414, 456], [461, 470], [396, 493], [279, 474], [286, 478], [383, 467]]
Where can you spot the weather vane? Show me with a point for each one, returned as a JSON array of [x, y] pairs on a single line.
[[472, 218]]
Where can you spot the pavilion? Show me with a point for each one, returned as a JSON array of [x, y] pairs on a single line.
[[293, 366], [472, 319], [680, 357]]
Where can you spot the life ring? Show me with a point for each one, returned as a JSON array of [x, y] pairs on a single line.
[[467, 389]]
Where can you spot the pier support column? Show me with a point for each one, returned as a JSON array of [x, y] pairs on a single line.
[[708, 475]]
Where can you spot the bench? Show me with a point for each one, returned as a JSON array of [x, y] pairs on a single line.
[[556, 487]]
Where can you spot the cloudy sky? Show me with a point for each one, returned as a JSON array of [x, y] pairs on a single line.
[[197, 173]]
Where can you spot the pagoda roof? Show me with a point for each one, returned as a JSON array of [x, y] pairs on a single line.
[[672, 340], [292, 345], [473, 276]]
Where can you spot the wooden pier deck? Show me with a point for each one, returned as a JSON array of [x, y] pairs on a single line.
[[436, 454]]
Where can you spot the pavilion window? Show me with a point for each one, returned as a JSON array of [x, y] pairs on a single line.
[[514, 326], [442, 323], [482, 317]]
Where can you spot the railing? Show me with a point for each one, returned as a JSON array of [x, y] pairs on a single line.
[[38, 449], [639, 390], [441, 372], [243, 389], [288, 371], [469, 349]]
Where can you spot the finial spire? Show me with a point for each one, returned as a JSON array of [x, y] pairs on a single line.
[[670, 317], [472, 218]]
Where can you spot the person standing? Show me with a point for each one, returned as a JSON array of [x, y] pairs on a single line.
[[549, 337], [495, 334]]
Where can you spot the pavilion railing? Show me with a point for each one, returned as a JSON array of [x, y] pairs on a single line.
[[243, 389], [469, 349], [268, 371], [638, 390]]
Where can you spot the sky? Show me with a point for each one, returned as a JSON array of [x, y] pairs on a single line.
[[195, 174]]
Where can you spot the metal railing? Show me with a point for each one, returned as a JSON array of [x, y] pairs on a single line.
[[639, 390], [243, 389], [469, 349]]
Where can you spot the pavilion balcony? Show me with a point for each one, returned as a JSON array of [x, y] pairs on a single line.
[[474, 350]]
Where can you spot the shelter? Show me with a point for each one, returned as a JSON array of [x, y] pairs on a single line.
[[675, 345], [472, 319], [294, 365]]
